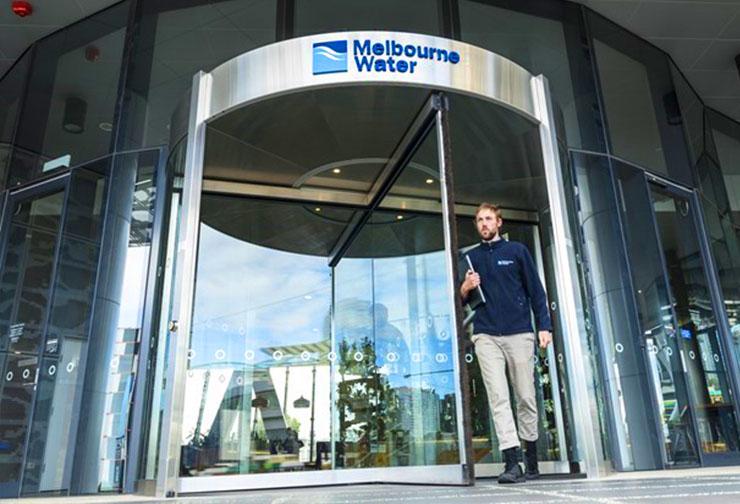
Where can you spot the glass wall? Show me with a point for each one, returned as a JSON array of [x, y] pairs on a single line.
[[619, 355], [12, 87], [25, 288], [71, 96], [692, 115], [172, 41], [117, 324], [324, 16], [640, 102], [544, 38], [700, 334], [721, 200], [53, 245], [725, 134], [72, 331]]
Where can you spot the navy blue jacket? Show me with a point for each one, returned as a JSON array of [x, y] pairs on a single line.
[[511, 285]]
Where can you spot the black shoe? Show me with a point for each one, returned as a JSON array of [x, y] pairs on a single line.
[[512, 471], [530, 461]]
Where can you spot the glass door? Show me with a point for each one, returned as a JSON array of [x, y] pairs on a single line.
[[694, 409], [396, 394], [32, 225], [48, 265], [698, 329], [323, 327]]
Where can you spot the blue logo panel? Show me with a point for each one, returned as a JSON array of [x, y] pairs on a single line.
[[330, 57]]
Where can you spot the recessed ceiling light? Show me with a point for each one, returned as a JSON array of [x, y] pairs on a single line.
[[337, 170], [430, 181], [317, 209], [399, 217]]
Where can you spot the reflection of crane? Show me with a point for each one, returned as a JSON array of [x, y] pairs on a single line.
[[428, 373], [201, 410]]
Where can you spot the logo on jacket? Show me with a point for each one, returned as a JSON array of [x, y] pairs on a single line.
[[330, 57], [505, 262]]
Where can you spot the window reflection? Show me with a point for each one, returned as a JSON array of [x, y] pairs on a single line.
[[699, 335], [258, 396], [288, 356], [174, 41], [71, 95]]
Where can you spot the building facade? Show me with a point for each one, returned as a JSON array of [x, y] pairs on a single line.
[[232, 233]]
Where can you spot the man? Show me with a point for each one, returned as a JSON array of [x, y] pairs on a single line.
[[504, 338]]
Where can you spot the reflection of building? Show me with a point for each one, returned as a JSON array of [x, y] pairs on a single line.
[[118, 398], [413, 400], [447, 410], [257, 415]]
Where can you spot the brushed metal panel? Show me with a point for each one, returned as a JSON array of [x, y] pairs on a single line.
[[287, 66]]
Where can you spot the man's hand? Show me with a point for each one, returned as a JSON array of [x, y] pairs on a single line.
[[472, 280], [545, 338]]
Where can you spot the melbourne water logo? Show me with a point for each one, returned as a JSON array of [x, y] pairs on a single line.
[[375, 56], [330, 57]]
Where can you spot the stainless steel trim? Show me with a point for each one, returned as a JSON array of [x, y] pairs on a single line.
[[580, 373], [170, 446], [443, 475], [285, 67], [165, 301]]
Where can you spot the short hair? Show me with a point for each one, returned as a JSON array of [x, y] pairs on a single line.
[[488, 206]]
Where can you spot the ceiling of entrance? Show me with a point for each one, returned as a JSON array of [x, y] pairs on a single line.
[[336, 141], [340, 139], [702, 36]]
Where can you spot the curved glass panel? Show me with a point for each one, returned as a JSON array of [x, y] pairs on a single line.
[[322, 16], [175, 40], [71, 96]]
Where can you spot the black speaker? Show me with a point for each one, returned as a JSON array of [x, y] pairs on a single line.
[[75, 110], [672, 109]]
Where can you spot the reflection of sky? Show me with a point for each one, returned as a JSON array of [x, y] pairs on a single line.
[[250, 297], [134, 281]]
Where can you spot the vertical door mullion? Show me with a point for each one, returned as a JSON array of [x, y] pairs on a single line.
[[587, 433], [184, 293], [462, 383]]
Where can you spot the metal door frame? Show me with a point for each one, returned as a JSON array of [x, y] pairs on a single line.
[[272, 71]]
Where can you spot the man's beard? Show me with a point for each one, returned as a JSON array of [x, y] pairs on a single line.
[[491, 235]]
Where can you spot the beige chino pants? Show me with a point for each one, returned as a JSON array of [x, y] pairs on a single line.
[[514, 352]]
